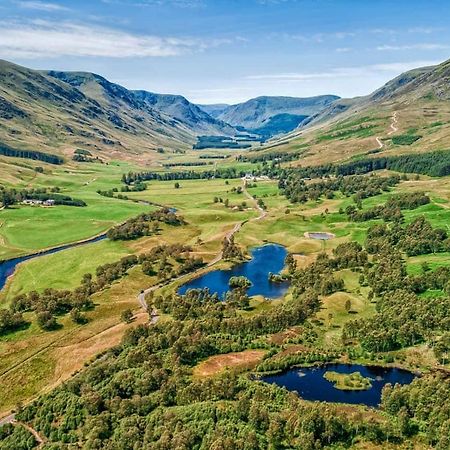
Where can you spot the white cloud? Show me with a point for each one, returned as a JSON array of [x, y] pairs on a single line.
[[314, 38], [42, 6], [40, 38], [178, 3], [344, 72], [343, 50], [413, 47]]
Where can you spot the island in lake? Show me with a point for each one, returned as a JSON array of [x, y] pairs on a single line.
[[348, 381]]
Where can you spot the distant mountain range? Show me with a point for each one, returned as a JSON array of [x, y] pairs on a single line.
[[410, 113], [269, 116], [62, 111], [214, 110]]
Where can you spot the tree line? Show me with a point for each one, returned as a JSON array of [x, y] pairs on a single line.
[[145, 224], [297, 190], [30, 154], [435, 164], [277, 157], [391, 210]]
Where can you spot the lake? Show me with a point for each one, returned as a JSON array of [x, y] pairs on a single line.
[[311, 385], [265, 259]]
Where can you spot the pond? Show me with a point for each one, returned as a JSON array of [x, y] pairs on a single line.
[[8, 267], [266, 259], [310, 384]]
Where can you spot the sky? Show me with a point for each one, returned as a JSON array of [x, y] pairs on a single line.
[[228, 51]]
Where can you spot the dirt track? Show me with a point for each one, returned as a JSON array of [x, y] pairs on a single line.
[[393, 127]]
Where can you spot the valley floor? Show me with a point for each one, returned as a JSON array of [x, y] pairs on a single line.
[[34, 361]]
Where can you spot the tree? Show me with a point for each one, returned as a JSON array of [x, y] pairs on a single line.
[[127, 316], [46, 320], [239, 282], [10, 321], [77, 316], [348, 305]]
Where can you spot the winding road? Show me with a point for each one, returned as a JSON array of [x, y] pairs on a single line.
[[262, 211], [393, 127], [141, 297]]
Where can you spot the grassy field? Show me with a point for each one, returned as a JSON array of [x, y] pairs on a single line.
[[26, 229], [39, 273], [32, 360], [41, 359]]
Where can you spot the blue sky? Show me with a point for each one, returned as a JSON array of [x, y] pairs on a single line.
[[229, 50]]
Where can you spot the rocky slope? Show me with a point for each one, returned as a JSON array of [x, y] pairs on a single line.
[[61, 111]]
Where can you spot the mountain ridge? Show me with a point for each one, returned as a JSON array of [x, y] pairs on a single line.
[[261, 113], [61, 111]]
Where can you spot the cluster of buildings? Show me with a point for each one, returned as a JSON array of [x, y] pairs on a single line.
[[250, 177], [35, 202]]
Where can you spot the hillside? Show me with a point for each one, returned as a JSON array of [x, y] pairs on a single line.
[[167, 105], [410, 113], [189, 114], [258, 113], [58, 112], [415, 79]]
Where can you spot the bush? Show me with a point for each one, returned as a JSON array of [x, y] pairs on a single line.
[[46, 320], [405, 139], [127, 316]]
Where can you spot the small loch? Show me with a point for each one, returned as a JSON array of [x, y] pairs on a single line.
[[310, 384], [265, 260]]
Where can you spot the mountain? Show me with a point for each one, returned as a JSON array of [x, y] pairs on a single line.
[[189, 114], [61, 111], [272, 115], [173, 106], [413, 85], [410, 113], [58, 113]]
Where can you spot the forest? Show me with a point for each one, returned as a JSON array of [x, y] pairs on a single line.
[[296, 189], [391, 210], [144, 225], [142, 393], [435, 164]]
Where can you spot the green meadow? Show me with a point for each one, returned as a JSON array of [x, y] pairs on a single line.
[[27, 229]]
